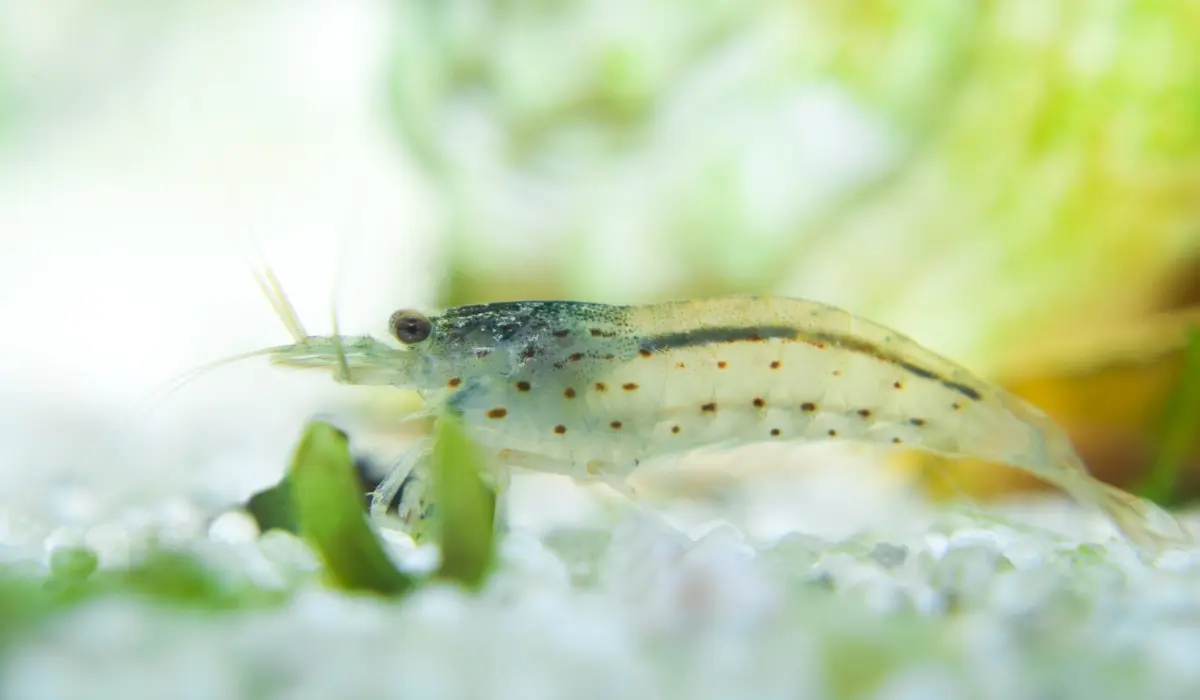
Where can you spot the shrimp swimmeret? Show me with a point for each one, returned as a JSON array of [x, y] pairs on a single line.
[[591, 390]]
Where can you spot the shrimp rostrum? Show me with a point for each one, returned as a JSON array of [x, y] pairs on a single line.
[[592, 390]]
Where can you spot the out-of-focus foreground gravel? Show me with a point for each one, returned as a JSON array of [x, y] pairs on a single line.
[[641, 602]]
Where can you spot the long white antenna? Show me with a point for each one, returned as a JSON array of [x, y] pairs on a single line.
[[339, 268]]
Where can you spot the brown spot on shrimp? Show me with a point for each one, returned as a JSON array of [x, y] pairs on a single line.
[[864, 412], [615, 425], [569, 393], [919, 422], [497, 413], [709, 408], [560, 429], [808, 407], [601, 386], [722, 364], [675, 429], [776, 364], [523, 386], [561, 333], [629, 386], [454, 383], [775, 432], [758, 402]]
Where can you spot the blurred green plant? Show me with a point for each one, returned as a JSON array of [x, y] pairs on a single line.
[[162, 576], [987, 177], [1179, 431]]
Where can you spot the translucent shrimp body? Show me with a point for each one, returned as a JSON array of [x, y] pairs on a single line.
[[592, 390]]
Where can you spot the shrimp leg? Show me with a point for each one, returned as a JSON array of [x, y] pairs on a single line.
[[409, 480], [408, 487]]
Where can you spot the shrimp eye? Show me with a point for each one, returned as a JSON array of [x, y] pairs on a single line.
[[410, 327]]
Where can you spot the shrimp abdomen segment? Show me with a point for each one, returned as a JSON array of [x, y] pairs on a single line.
[[762, 369]]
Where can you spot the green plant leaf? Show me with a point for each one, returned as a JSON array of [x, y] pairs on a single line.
[[326, 502], [465, 506]]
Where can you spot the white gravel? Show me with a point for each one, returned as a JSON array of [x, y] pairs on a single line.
[[948, 605]]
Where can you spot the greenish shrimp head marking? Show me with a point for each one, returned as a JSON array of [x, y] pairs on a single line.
[[480, 340]]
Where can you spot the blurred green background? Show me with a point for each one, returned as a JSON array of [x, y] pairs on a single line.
[[1015, 184]]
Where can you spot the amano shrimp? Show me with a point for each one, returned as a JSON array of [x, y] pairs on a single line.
[[592, 390]]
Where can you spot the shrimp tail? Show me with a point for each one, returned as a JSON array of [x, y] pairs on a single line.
[[1148, 527]]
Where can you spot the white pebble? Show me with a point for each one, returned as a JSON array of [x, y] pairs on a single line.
[[234, 527]]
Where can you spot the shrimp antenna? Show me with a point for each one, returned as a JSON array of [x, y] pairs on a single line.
[[338, 268], [343, 365], [188, 376], [269, 285], [271, 288]]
